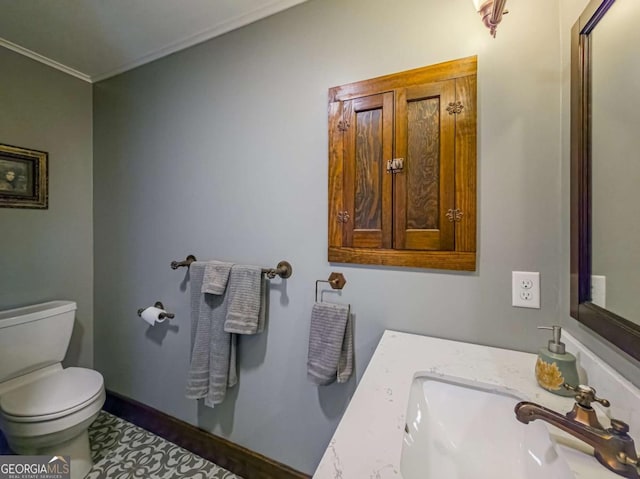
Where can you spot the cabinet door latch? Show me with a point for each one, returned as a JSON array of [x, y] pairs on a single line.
[[395, 165]]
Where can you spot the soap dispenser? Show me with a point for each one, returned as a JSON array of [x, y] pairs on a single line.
[[555, 366]]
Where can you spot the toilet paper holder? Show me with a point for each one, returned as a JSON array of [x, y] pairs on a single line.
[[159, 305]]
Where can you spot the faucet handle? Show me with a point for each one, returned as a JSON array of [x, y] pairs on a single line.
[[619, 428], [585, 395]]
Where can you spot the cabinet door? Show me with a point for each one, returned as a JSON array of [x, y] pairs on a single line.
[[368, 144], [425, 215], [425, 188]]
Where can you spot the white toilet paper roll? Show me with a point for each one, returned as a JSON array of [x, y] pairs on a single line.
[[152, 315]]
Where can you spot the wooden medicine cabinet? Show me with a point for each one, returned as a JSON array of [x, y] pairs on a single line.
[[402, 168]]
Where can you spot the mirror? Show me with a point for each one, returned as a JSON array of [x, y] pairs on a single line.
[[605, 139], [615, 169]]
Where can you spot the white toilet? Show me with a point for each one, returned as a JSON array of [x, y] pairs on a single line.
[[45, 409]]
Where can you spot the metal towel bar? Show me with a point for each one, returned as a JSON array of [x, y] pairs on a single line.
[[283, 269]]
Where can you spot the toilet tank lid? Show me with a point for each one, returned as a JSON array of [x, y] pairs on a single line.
[[53, 393], [34, 312]]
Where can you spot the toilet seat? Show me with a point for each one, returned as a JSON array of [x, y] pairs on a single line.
[[52, 396]]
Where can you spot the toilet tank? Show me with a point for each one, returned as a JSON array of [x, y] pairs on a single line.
[[33, 337]]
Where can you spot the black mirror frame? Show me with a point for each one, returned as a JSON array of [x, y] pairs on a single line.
[[621, 332]]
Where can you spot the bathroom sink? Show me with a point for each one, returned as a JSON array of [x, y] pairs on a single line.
[[463, 431]]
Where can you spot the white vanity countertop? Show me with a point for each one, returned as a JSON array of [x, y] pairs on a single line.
[[368, 440]]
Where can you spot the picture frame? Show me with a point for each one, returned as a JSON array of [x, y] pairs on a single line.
[[24, 178]]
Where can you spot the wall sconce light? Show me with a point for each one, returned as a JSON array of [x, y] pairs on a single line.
[[491, 12]]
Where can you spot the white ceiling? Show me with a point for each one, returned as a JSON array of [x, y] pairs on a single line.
[[96, 39]]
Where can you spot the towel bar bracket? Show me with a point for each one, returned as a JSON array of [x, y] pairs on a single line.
[[187, 262], [284, 270]]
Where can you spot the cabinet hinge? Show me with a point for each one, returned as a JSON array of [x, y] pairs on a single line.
[[343, 125], [454, 215], [343, 216], [455, 108]]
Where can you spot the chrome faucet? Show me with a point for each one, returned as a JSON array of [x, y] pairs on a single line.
[[613, 447]]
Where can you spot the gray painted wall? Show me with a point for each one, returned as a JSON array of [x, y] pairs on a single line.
[[48, 254], [221, 151]]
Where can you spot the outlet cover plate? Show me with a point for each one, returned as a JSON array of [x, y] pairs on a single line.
[[525, 289]]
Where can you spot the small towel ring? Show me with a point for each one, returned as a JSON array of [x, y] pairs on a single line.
[[336, 281]]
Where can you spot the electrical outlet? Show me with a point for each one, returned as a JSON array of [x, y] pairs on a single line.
[[525, 289], [525, 295], [526, 284]]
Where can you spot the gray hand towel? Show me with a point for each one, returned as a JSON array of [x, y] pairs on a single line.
[[345, 362], [216, 275], [330, 354], [246, 287], [213, 367]]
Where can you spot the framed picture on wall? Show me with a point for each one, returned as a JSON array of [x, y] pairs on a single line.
[[23, 178]]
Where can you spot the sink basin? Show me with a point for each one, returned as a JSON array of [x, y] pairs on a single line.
[[463, 431]]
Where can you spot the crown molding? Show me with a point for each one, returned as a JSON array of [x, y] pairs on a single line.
[[189, 41], [42, 59]]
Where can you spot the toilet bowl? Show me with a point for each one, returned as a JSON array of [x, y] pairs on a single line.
[[46, 409]]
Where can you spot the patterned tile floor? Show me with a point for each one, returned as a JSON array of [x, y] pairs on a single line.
[[122, 450]]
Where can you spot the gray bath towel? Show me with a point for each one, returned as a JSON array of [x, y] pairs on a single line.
[[216, 275], [330, 344], [247, 291], [213, 365]]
